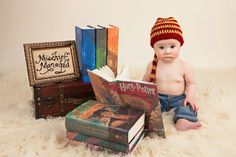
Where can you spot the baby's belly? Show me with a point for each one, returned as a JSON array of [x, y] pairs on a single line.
[[171, 88]]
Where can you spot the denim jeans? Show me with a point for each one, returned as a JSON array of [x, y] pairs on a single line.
[[169, 102]]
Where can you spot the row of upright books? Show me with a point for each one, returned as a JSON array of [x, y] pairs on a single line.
[[96, 47]]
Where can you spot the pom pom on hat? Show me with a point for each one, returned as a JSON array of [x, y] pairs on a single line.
[[166, 28]]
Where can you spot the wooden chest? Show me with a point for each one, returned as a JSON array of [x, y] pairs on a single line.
[[60, 98]]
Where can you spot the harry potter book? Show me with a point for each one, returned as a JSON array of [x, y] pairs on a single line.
[[86, 49], [122, 91], [105, 121], [114, 146], [101, 45], [112, 47]]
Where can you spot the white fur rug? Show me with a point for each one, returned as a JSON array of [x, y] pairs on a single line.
[[23, 136]]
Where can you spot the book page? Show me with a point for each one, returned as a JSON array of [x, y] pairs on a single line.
[[105, 69], [104, 74], [123, 73]]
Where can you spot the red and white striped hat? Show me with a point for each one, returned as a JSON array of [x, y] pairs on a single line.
[[166, 28]]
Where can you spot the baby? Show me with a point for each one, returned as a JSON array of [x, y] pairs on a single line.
[[174, 77]]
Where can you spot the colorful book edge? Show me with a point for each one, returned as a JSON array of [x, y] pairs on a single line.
[[109, 122], [93, 142]]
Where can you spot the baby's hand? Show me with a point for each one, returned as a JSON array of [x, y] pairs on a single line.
[[190, 101]]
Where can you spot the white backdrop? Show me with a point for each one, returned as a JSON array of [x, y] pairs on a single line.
[[209, 28]]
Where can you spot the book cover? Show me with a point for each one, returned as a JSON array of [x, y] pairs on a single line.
[[86, 49], [112, 47], [114, 146], [101, 46], [133, 93], [110, 122]]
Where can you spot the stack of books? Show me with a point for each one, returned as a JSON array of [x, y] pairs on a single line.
[[113, 127]]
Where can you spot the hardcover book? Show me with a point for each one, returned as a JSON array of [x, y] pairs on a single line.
[[125, 92], [105, 121], [114, 146], [112, 47], [86, 49], [101, 46]]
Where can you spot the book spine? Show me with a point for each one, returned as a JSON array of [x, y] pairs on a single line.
[[101, 47], [96, 130], [112, 48], [78, 41], [98, 142], [86, 49]]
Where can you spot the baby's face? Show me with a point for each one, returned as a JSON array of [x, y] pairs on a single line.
[[167, 50]]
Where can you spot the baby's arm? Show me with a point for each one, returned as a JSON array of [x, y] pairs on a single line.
[[190, 87], [146, 76]]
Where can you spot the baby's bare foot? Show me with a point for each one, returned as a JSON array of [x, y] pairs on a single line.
[[183, 124]]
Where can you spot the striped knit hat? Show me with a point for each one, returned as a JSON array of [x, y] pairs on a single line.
[[166, 28]]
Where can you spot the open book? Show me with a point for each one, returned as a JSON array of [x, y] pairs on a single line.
[[120, 90]]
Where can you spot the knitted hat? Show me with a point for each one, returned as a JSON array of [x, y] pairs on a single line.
[[166, 28]]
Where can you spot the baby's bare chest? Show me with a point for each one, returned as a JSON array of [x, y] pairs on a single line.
[[170, 74]]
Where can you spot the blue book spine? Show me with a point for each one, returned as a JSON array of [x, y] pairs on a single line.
[[86, 49]]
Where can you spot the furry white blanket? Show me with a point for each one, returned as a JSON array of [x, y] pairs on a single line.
[[22, 135]]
